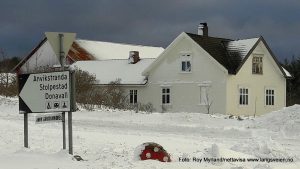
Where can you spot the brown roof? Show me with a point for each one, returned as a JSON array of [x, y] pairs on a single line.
[[75, 53]]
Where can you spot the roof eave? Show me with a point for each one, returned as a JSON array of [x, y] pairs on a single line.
[[275, 59], [15, 69], [141, 84], [261, 39]]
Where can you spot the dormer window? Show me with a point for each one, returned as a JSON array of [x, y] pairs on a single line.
[[257, 64], [186, 62]]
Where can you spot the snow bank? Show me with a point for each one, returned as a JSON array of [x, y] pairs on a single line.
[[285, 121], [9, 105], [261, 148], [27, 159]]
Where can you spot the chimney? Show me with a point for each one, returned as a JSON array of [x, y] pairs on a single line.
[[203, 29], [133, 57]]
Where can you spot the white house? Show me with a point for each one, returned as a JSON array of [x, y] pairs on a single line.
[[240, 77], [194, 73]]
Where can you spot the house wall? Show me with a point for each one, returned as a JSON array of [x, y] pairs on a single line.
[[256, 84], [41, 59], [185, 90]]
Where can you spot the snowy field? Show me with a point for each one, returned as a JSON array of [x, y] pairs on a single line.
[[107, 139]]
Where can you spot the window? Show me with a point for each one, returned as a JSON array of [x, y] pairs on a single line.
[[186, 62], [203, 95], [133, 96], [204, 92], [257, 64], [165, 95], [244, 96], [269, 97]]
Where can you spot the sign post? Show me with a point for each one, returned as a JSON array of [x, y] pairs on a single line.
[[50, 92], [26, 130], [70, 132], [64, 129], [45, 92], [61, 43]]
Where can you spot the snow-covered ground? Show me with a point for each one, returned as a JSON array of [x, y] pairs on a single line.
[[107, 139]]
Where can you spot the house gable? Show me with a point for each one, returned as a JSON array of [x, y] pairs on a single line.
[[39, 59], [256, 84], [270, 64], [43, 57], [185, 88], [261, 41], [17, 67], [173, 45]]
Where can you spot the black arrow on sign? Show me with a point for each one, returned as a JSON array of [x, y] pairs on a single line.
[[22, 79]]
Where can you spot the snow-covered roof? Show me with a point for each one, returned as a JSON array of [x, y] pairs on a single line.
[[241, 46], [107, 71], [108, 50]]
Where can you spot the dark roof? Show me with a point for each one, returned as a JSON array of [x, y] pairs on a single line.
[[231, 54], [216, 47], [221, 49]]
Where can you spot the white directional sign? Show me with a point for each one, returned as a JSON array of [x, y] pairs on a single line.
[[44, 92], [39, 119]]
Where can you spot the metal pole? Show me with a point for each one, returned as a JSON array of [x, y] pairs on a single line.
[[64, 129], [72, 108], [62, 63], [61, 51], [70, 132], [26, 130]]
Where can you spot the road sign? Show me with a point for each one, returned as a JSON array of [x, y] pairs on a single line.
[[54, 40], [39, 119], [45, 92]]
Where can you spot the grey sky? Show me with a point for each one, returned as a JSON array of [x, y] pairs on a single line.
[[152, 22]]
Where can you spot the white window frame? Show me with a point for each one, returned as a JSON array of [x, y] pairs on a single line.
[[165, 94], [260, 57], [269, 96], [185, 58], [244, 91], [133, 96]]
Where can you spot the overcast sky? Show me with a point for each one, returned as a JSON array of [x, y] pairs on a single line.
[[151, 22]]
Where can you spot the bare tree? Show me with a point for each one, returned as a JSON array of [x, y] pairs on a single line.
[[4, 75], [208, 101]]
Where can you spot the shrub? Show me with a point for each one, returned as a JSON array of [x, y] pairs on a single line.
[[84, 86]]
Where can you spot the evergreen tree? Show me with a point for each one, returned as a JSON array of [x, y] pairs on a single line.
[[293, 85]]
